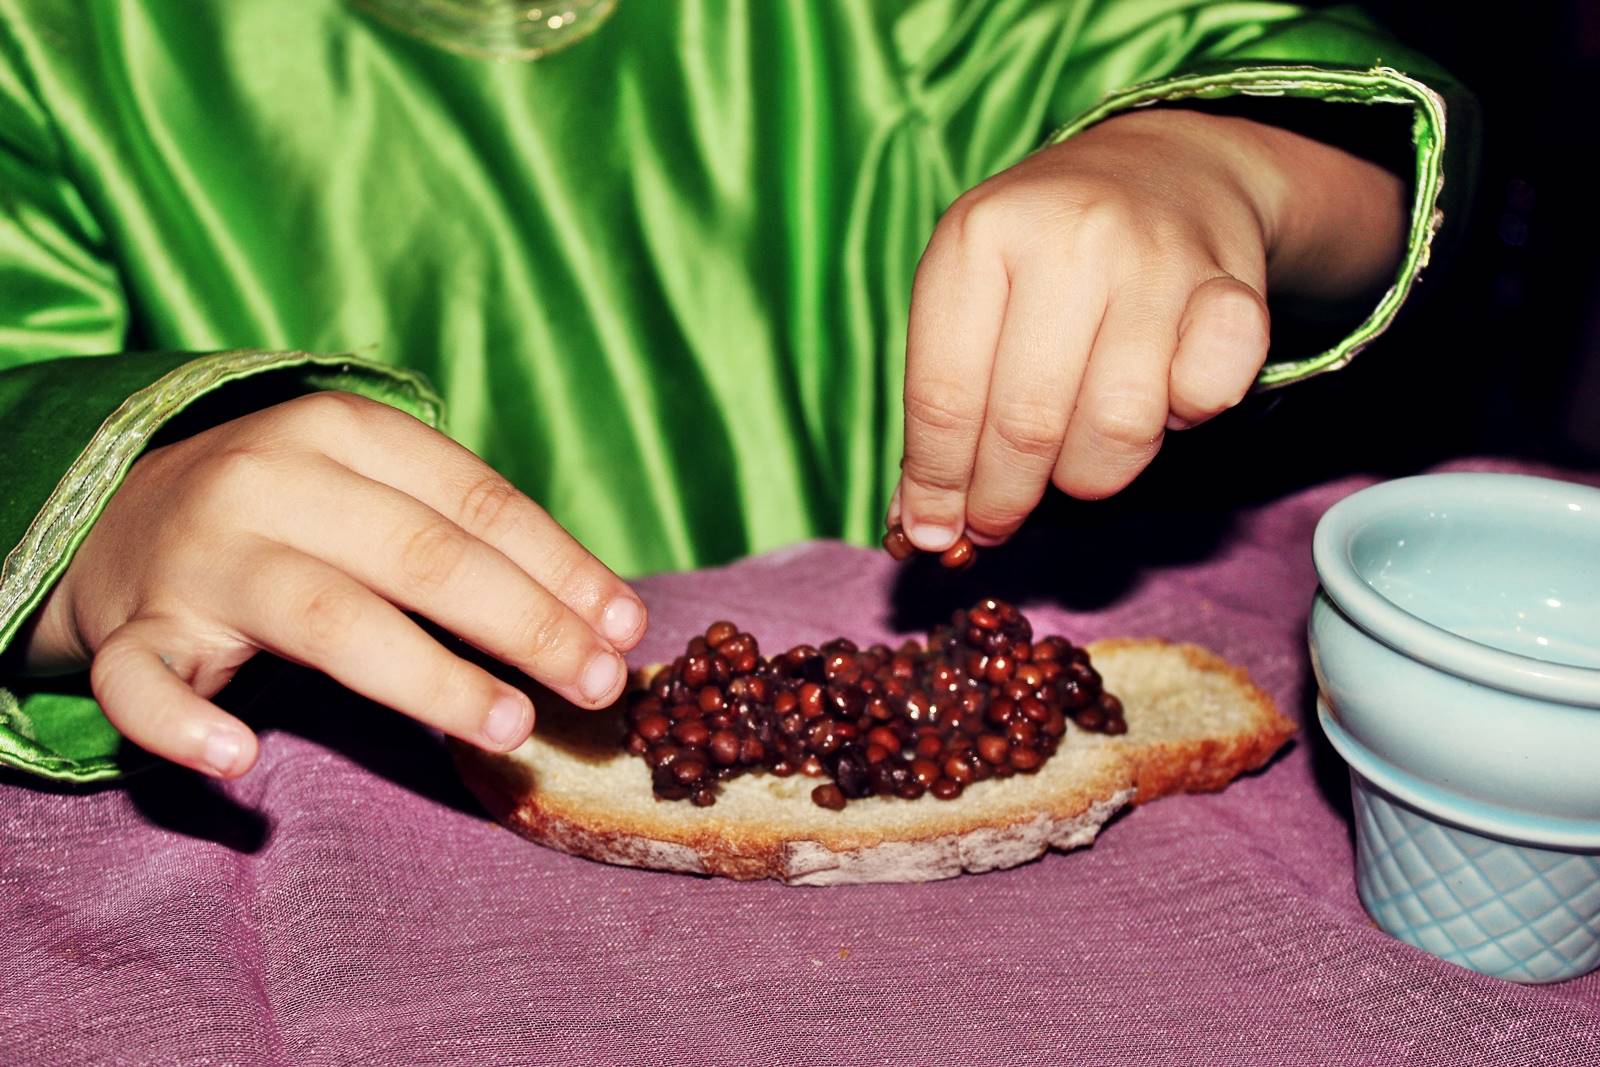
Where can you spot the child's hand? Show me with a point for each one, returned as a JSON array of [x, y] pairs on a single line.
[[309, 529], [1071, 309]]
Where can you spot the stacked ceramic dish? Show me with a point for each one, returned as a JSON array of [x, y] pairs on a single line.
[[1456, 643]]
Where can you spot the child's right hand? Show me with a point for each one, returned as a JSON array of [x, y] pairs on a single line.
[[308, 530]]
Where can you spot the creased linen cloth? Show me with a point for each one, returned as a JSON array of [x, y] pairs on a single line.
[[346, 902]]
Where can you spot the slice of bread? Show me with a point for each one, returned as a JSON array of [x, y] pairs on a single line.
[[1195, 722]]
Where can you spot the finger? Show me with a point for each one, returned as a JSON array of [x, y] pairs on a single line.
[[411, 555], [393, 448], [957, 302], [309, 612], [1049, 327], [1222, 343], [1116, 427], [134, 677]]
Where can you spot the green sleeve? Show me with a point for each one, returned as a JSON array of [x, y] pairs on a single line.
[[71, 422], [1067, 66]]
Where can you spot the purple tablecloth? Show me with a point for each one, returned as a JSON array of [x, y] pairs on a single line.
[[347, 902]]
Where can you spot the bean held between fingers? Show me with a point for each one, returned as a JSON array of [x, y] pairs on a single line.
[[958, 556], [981, 700]]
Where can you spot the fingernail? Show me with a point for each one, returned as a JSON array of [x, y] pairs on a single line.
[[894, 506], [984, 540], [600, 677], [224, 751], [507, 723], [621, 619], [932, 538]]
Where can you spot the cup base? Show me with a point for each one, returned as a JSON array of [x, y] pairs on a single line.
[[1513, 911]]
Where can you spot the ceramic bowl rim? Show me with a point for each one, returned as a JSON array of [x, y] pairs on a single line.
[[1416, 638]]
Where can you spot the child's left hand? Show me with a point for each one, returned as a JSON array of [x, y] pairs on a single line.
[[1071, 309]]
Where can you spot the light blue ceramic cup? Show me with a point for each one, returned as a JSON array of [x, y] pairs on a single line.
[[1456, 644]]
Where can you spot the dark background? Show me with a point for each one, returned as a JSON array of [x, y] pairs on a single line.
[[1498, 351], [1514, 338]]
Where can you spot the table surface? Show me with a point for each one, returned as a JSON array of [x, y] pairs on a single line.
[[347, 902]]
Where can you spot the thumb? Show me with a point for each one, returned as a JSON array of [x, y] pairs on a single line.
[[1222, 343], [138, 676]]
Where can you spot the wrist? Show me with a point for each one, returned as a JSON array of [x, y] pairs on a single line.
[[1335, 223]]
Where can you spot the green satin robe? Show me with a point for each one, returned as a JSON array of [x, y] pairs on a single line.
[[661, 277]]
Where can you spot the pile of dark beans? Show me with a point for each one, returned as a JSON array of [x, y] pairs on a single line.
[[982, 700]]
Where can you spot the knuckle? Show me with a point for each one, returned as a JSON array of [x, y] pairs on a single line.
[[1031, 432], [452, 683], [562, 572], [925, 481], [1109, 221], [992, 518], [488, 503], [328, 615], [335, 411], [1085, 481], [1000, 224], [936, 412], [983, 218], [941, 407], [1199, 393], [1085, 487], [336, 403], [229, 472], [541, 633], [1197, 402], [431, 555], [1125, 423], [1236, 316], [970, 215]]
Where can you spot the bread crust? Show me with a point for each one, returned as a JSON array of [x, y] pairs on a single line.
[[1202, 764], [570, 787]]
